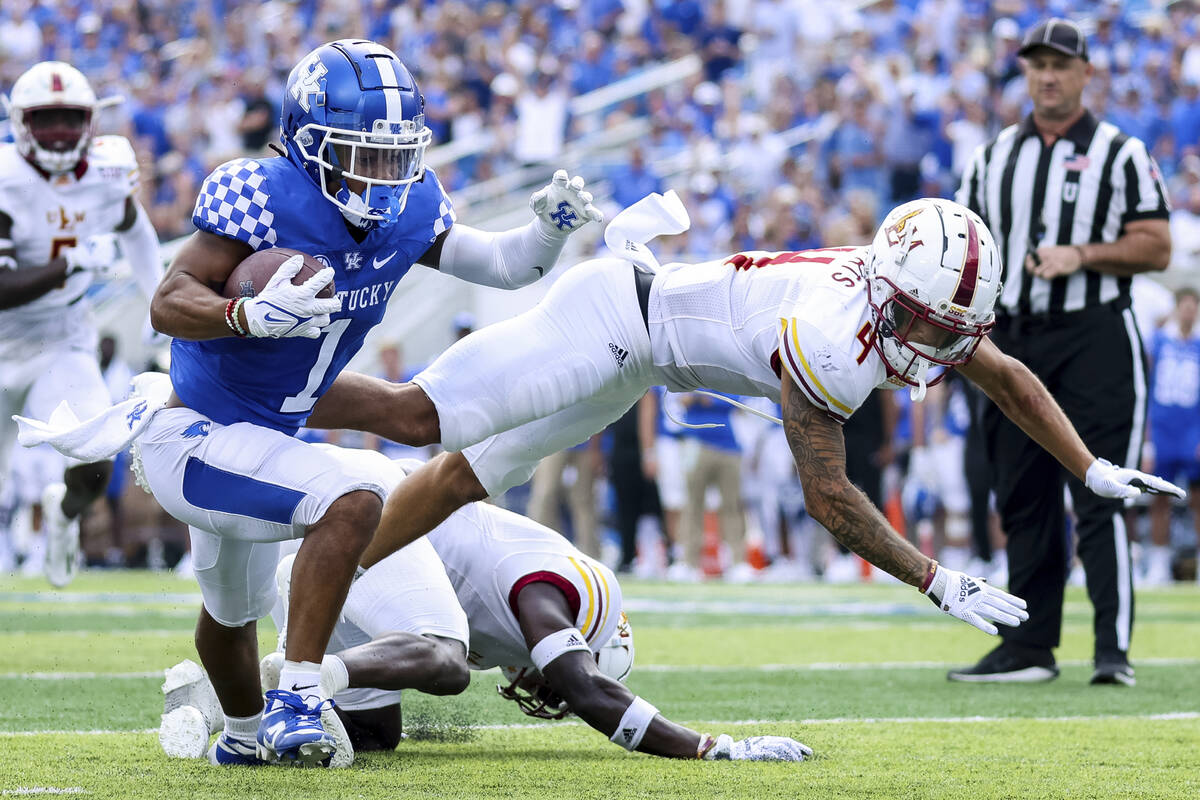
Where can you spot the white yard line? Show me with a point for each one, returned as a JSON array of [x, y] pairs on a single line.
[[72, 676], [1171, 716], [836, 666], [828, 666]]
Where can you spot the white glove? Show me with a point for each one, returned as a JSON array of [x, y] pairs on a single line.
[[973, 601], [96, 253], [563, 206], [1108, 480], [757, 748], [283, 309]]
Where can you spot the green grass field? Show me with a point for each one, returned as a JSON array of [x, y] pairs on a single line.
[[857, 673]]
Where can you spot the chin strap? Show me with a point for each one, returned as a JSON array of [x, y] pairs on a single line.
[[354, 202], [917, 393]]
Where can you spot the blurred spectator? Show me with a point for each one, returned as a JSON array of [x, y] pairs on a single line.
[[662, 463], [541, 120], [633, 181], [1174, 414], [569, 475], [1185, 234], [260, 120], [718, 43], [711, 459], [635, 497]]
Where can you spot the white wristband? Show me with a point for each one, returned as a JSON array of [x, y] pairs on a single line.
[[555, 645], [634, 724]]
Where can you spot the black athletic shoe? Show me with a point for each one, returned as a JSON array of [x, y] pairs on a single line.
[[1009, 664], [1113, 672]]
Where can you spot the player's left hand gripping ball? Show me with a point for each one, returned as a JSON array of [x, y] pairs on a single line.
[[283, 309], [563, 206]]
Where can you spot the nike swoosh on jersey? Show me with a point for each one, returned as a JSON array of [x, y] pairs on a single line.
[[379, 264]]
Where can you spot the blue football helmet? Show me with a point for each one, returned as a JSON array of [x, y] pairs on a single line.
[[353, 119]]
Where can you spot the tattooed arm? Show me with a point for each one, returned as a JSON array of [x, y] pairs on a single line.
[[820, 452]]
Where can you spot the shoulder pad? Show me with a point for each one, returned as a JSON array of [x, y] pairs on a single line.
[[234, 203], [826, 374], [115, 161]]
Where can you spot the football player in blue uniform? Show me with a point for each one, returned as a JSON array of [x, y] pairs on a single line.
[[351, 189]]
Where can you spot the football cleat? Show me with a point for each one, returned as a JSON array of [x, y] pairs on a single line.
[[343, 752], [291, 730], [62, 537], [183, 733], [191, 711], [229, 752]]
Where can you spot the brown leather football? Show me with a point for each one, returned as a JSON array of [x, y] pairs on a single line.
[[249, 277]]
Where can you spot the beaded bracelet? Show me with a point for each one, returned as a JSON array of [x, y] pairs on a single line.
[[231, 316]]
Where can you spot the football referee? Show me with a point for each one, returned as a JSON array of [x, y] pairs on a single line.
[[1077, 208]]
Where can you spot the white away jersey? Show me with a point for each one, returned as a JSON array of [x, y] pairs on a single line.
[[826, 335], [730, 325], [491, 554], [50, 214]]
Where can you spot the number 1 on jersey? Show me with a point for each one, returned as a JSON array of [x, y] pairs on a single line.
[[307, 398]]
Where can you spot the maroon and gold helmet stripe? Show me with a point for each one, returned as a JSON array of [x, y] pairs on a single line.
[[964, 293]]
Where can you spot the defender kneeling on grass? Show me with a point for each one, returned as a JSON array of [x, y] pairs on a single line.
[[549, 616]]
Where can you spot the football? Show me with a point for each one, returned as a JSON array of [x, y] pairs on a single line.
[[249, 277]]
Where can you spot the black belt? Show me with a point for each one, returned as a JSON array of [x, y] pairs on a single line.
[[641, 282], [1017, 324]]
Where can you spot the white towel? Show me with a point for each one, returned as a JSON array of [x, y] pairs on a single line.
[[104, 435], [654, 215]]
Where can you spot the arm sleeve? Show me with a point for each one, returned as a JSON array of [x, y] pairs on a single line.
[[506, 260], [139, 245], [830, 380], [1138, 181]]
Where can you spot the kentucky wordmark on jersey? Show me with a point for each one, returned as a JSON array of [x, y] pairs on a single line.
[[267, 203]]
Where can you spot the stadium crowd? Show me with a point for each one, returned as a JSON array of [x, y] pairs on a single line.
[[806, 121]]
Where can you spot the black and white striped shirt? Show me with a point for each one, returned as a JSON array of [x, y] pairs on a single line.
[[1084, 188]]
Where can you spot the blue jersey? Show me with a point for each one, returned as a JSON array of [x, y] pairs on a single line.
[[1175, 382], [269, 202]]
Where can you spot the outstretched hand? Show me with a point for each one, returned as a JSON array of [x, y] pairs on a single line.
[[1108, 480], [974, 601], [563, 206]]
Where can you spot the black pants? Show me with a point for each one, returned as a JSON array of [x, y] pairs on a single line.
[[633, 493], [979, 475], [1092, 362]]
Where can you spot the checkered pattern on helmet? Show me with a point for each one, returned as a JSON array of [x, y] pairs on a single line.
[[232, 203]]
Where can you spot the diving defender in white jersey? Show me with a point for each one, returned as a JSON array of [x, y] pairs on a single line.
[[351, 189], [66, 198], [549, 616], [816, 330]]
